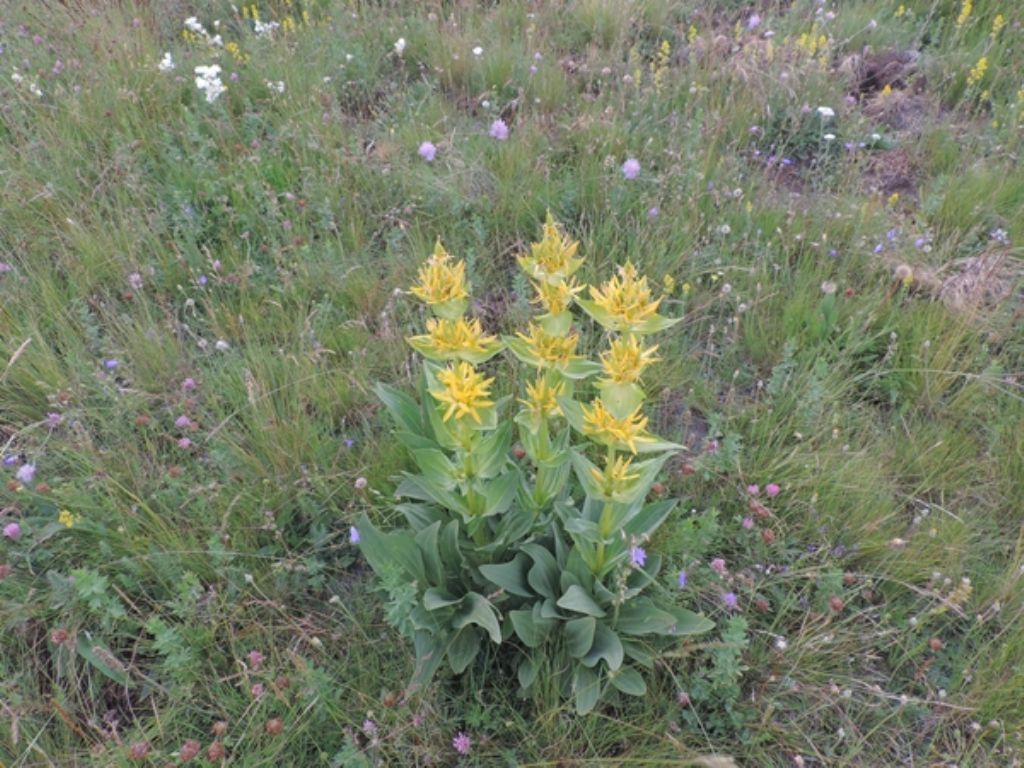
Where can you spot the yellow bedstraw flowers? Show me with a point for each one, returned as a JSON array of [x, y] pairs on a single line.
[[464, 390]]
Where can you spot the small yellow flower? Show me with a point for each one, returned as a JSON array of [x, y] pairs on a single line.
[[556, 297], [67, 518], [691, 34], [552, 351], [465, 392], [668, 284], [887, 91], [901, 11], [439, 280], [894, 198], [997, 25], [552, 259], [978, 71], [625, 360], [616, 477], [965, 13], [626, 297], [600, 424], [451, 338], [542, 398]]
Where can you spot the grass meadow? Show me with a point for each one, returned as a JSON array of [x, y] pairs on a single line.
[[203, 276]]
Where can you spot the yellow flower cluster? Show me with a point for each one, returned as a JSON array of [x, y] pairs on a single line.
[[441, 281], [453, 337], [600, 424], [997, 25], [660, 65], [626, 297], [978, 71], [625, 360], [465, 392], [616, 476], [542, 398], [965, 13], [67, 518], [553, 351], [552, 259], [558, 297]]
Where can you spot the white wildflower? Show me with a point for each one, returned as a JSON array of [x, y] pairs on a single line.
[[277, 87], [826, 112], [167, 63], [208, 81], [400, 45]]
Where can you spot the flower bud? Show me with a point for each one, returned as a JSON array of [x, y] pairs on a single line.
[[189, 750], [215, 752], [274, 726]]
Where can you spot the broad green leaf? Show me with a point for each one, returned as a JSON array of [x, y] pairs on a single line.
[[606, 646], [422, 489], [586, 686], [419, 516], [579, 636], [510, 576], [543, 575], [638, 652], [103, 660], [687, 622], [556, 325], [531, 628], [646, 522], [403, 409], [414, 442], [463, 649], [427, 541], [621, 398], [476, 609], [435, 598], [500, 492], [643, 617], [527, 672], [491, 451], [448, 544], [430, 653], [437, 467], [656, 324], [396, 550], [575, 599], [581, 369], [629, 681]]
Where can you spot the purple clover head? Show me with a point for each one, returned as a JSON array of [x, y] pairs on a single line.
[[631, 168]]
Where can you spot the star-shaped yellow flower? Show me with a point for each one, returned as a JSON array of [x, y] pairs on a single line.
[[626, 297], [465, 392], [439, 280], [625, 360], [552, 259], [541, 398], [552, 351], [600, 424]]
